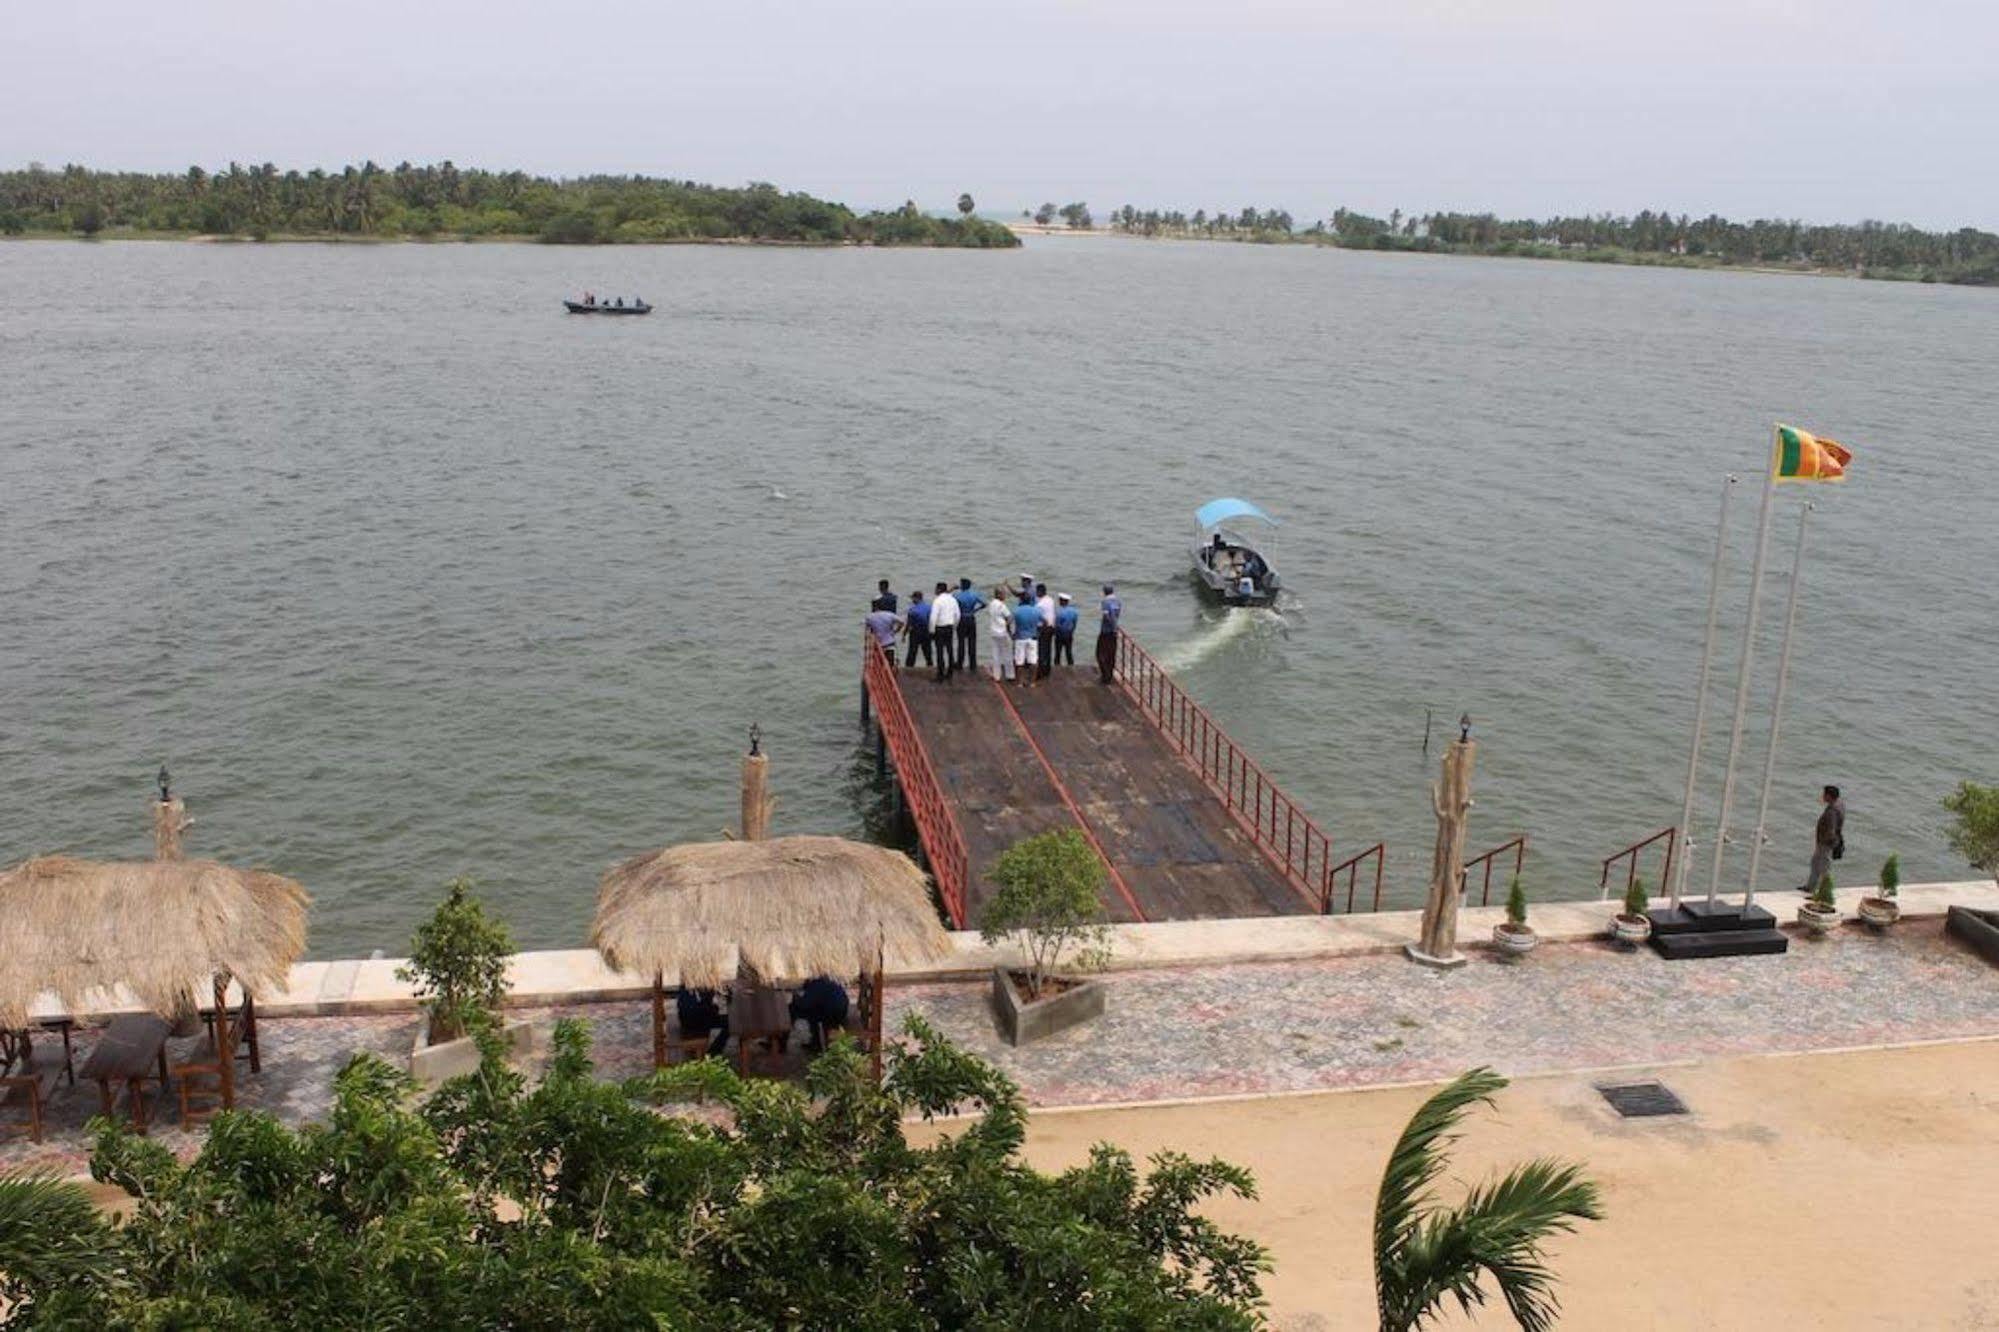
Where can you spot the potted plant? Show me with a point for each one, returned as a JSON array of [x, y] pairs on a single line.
[[458, 965], [1882, 909], [1821, 911], [1514, 935], [1050, 896], [1632, 926]]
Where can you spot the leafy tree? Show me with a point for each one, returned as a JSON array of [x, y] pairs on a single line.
[[1974, 826], [1045, 214], [1050, 894], [1425, 1252], [576, 1204], [458, 963], [965, 205], [1078, 217]]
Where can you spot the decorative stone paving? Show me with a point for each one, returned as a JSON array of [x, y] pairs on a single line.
[[1353, 1021]]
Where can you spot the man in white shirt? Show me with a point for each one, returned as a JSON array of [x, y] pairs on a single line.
[[1044, 640], [944, 614], [999, 628]]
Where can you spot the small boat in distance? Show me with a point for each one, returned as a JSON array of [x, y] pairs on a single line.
[[1228, 566], [591, 305]]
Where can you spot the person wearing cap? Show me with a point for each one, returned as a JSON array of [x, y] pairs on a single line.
[[1066, 616], [1026, 633], [1107, 631], [1044, 642], [944, 631], [969, 605], [916, 624], [999, 627]]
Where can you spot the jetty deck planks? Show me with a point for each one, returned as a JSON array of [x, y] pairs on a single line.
[[1178, 851]]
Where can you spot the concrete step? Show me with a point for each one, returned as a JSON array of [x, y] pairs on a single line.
[[1699, 917], [1719, 943]]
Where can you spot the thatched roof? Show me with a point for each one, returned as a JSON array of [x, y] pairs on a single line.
[[157, 927], [791, 907]]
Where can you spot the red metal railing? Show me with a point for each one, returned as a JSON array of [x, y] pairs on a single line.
[[1351, 868], [1295, 844], [1518, 846], [1671, 837], [936, 826]]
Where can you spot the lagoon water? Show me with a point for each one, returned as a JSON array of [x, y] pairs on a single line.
[[408, 575]]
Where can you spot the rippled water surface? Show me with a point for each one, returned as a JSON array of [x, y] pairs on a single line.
[[409, 575]]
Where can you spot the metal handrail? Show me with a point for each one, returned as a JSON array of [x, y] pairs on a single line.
[[1671, 836], [1296, 845], [1351, 868], [936, 826], [1517, 845]]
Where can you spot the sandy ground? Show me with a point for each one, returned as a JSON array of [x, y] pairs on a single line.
[[1823, 1191]]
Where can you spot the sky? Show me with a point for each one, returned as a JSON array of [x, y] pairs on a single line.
[[1825, 110]]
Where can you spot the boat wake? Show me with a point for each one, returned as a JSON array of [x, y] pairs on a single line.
[[1218, 631]]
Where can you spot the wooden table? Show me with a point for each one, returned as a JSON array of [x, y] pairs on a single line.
[[132, 1050], [761, 1016]]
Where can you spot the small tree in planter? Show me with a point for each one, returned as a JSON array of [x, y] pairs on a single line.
[[458, 965], [1632, 926], [1882, 909], [1821, 912], [1514, 935], [1050, 897]]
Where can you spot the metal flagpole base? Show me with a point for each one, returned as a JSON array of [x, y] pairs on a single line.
[[1451, 963]]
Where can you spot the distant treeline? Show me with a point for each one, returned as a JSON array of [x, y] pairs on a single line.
[[445, 200], [1870, 249]]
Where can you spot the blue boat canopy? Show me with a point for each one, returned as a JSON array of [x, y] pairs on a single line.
[[1221, 510]]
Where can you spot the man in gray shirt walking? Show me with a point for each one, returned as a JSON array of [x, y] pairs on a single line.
[[1830, 842]]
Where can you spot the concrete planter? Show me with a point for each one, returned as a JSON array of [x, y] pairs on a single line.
[[1880, 912], [1021, 1021], [1630, 930], [1515, 940], [434, 1065], [1816, 919], [1980, 929]]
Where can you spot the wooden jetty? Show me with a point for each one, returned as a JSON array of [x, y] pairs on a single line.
[[1187, 825]]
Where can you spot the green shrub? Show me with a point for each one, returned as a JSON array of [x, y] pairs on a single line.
[[1635, 898], [458, 963], [1822, 896], [1974, 827], [1891, 877], [1051, 895], [1516, 901]]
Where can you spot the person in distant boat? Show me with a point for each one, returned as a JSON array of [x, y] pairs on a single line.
[[999, 627], [821, 1004], [589, 298], [884, 599], [944, 631], [1216, 551], [1254, 568], [916, 623], [1026, 634], [970, 603], [1112, 610], [1044, 643], [883, 623], [1065, 629], [700, 1015]]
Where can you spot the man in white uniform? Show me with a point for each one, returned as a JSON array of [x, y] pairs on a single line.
[[999, 631]]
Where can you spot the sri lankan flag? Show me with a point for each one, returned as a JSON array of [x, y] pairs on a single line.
[[1802, 456]]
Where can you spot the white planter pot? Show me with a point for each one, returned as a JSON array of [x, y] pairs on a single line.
[[1815, 920], [1515, 942], [434, 1065], [1630, 930], [1880, 912]]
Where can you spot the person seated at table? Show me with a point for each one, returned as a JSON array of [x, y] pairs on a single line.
[[701, 1015], [821, 1003]]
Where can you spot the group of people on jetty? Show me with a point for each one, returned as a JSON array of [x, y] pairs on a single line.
[[1029, 630]]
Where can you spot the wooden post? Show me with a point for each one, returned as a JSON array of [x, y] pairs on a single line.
[[756, 799], [1450, 798], [224, 1048], [169, 821], [658, 1021]]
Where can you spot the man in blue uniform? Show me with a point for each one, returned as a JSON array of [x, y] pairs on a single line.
[[1066, 616], [969, 605]]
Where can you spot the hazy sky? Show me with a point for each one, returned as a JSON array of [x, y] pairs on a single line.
[[1830, 110]]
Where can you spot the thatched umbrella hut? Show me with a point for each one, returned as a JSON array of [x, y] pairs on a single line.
[[782, 907], [161, 929]]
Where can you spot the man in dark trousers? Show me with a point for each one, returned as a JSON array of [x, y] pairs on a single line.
[[1830, 842], [970, 603], [916, 623], [1111, 609], [1066, 616], [944, 630], [1044, 638]]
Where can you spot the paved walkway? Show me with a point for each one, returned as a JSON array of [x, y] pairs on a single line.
[[1361, 1020]]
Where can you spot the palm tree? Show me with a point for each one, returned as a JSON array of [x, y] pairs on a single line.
[[1424, 1251], [53, 1238]]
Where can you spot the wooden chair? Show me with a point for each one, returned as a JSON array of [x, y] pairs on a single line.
[[199, 1081], [27, 1088]]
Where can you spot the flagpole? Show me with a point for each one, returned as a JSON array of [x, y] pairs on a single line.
[[1678, 885], [1748, 659], [1777, 705]]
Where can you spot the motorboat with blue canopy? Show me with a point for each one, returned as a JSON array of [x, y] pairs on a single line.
[[1227, 564]]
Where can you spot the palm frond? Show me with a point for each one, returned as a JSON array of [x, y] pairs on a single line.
[[50, 1234], [1417, 1161]]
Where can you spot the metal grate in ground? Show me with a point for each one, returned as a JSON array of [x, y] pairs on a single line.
[[1639, 1100]]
